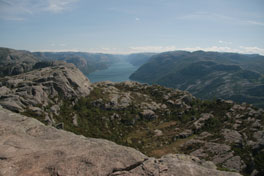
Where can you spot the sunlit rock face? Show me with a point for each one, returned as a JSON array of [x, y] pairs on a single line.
[[27, 147]]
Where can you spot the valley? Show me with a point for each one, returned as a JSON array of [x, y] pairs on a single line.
[[117, 72], [155, 120]]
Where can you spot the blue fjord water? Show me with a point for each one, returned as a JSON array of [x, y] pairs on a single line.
[[117, 72]]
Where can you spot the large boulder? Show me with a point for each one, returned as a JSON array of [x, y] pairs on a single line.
[[148, 114], [232, 136]]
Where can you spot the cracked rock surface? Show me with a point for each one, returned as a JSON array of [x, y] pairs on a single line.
[[43, 87], [27, 147]]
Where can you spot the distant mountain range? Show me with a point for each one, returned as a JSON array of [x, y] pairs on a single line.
[[18, 61], [207, 75]]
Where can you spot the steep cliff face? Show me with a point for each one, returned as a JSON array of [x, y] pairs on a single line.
[[27, 147]]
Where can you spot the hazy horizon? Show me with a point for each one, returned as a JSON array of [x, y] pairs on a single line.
[[124, 54]]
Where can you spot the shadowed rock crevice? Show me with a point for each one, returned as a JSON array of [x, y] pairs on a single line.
[[128, 168], [3, 158]]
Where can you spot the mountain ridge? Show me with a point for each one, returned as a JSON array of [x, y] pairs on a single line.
[[226, 75]]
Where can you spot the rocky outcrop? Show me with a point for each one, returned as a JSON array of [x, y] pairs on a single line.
[[43, 87], [232, 136], [201, 122], [220, 154], [27, 147], [13, 62], [173, 165]]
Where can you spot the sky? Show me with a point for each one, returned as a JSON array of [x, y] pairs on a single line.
[[131, 26]]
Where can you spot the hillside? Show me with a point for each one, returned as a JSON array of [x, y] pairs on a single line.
[[208, 75]]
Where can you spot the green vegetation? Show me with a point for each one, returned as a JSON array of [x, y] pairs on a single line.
[[259, 161], [99, 116], [245, 154]]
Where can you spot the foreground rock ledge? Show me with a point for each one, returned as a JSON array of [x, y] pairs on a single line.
[[27, 147]]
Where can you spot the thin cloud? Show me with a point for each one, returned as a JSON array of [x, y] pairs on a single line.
[[59, 5], [56, 50], [62, 44], [137, 19], [10, 18], [152, 48], [224, 42], [106, 49], [19, 9], [173, 48], [252, 49], [217, 17], [214, 48], [241, 49], [204, 16], [158, 49], [256, 23]]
